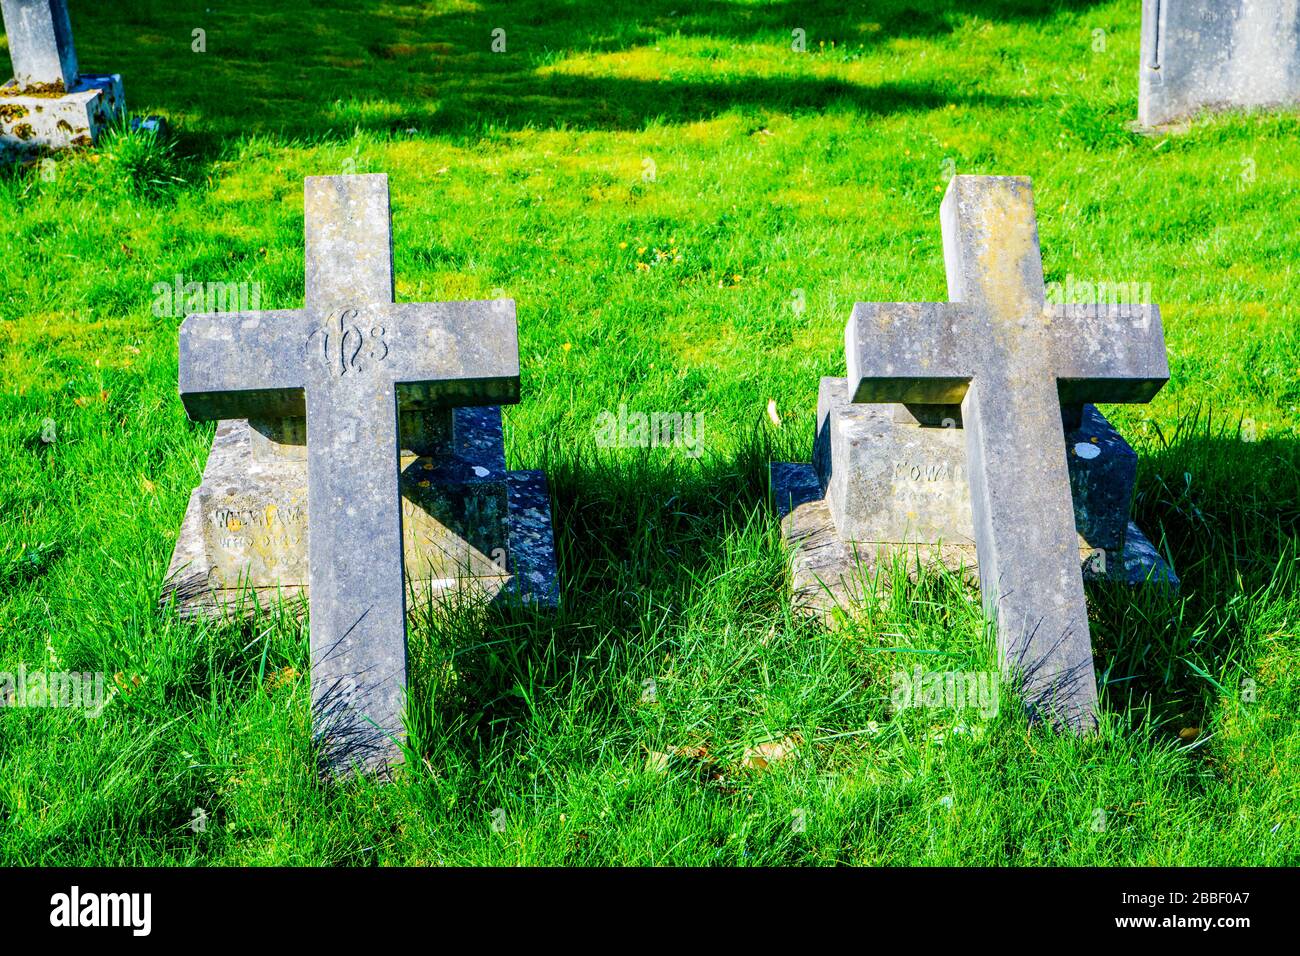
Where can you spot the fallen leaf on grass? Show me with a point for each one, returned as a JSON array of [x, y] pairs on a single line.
[[693, 752], [281, 678], [127, 685], [657, 762], [760, 756]]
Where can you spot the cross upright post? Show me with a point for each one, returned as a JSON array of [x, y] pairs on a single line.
[[349, 360], [40, 43], [1012, 361]]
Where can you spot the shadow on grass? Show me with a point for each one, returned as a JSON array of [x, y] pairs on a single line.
[[640, 540], [317, 70], [1227, 511], [671, 570], [645, 542]]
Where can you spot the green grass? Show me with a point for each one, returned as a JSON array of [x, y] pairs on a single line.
[[778, 176]]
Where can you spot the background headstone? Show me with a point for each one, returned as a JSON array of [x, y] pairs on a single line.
[[1217, 54]]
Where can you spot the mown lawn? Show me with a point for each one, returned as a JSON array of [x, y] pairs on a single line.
[[684, 210]]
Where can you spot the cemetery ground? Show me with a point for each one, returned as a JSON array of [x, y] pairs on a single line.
[[685, 210]]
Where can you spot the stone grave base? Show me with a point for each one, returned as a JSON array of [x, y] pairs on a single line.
[[52, 119], [828, 572], [251, 515]]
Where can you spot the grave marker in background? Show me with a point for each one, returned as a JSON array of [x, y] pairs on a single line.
[[1217, 54]]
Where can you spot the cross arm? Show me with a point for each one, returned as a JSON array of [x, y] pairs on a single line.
[[242, 364], [1116, 353], [906, 352], [452, 354]]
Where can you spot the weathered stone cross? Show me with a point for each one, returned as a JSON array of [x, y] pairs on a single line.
[[348, 360], [1012, 362]]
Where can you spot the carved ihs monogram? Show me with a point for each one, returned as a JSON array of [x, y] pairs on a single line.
[[345, 344]]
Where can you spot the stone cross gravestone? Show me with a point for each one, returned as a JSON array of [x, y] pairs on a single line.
[[992, 390], [354, 363], [48, 103], [1217, 54], [471, 528]]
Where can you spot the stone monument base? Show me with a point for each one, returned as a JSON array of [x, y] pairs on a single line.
[[41, 117], [828, 572], [470, 527]]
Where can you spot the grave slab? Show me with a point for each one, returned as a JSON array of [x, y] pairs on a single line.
[[477, 537], [891, 481]]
